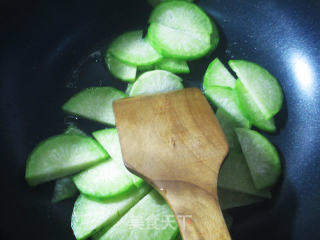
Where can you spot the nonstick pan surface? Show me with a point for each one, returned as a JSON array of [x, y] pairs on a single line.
[[50, 50]]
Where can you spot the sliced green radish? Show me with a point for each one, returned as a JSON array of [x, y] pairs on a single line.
[[226, 99], [105, 180], [94, 103], [133, 49], [64, 188], [173, 43], [121, 70], [90, 216], [254, 114], [228, 125], [109, 139], [137, 181], [262, 157], [183, 16], [230, 199], [156, 2], [263, 88], [157, 81], [235, 175], [151, 218], [218, 75], [181, 30], [173, 65], [128, 89], [62, 155]]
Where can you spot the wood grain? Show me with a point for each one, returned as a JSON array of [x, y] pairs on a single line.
[[174, 141]]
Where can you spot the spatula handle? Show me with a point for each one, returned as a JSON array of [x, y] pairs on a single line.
[[197, 211]]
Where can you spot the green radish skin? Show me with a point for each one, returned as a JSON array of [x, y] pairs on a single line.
[[215, 36], [253, 112], [173, 43], [261, 156], [229, 199], [218, 75], [228, 125], [264, 89], [234, 175], [103, 181], [146, 220], [131, 48], [146, 68], [173, 65], [157, 81], [183, 16], [109, 139], [226, 99], [120, 70], [154, 3], [94, 103], [179, 237], [62, 155], [64, 188], [90, 216]]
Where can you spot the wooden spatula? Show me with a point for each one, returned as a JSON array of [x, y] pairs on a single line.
[[174, 142]]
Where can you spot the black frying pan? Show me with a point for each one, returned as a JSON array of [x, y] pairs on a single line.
[[48, 52]]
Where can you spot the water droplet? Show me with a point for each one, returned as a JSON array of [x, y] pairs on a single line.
[[69, 120]]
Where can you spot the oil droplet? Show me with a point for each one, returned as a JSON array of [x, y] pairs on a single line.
[[189, 221], [163, 191]]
